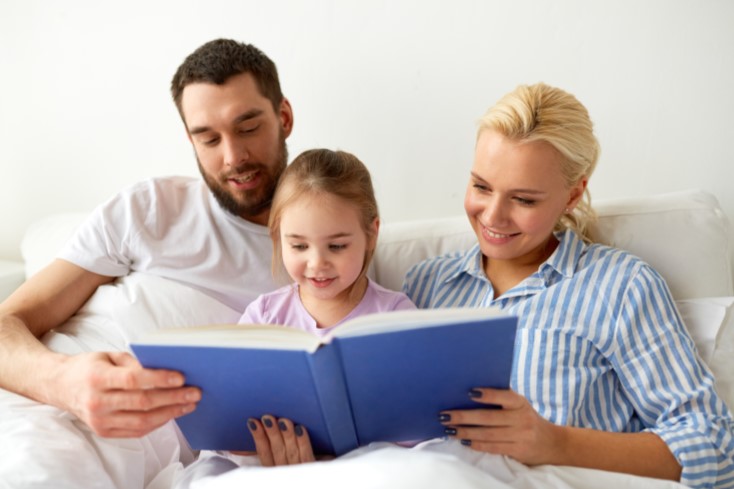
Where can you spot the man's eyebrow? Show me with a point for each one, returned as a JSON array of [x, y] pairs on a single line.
[[250, 114]]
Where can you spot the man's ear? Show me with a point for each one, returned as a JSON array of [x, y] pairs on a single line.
[[286, 116]]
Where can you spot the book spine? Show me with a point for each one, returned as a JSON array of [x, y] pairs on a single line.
[[335, 405]]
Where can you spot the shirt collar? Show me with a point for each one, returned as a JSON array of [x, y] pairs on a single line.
[[562, 261]]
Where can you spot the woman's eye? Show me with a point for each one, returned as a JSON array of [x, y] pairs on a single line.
[[480, 187], [525, 201]]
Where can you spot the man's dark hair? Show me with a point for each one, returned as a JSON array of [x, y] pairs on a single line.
[[219, 60]]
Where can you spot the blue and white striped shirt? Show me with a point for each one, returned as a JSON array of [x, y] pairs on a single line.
[[600, 345]]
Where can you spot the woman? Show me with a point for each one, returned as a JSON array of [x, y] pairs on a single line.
[[605, 375]]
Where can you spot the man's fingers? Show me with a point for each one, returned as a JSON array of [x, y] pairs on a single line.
[[124, 424], [149, 399], [126, 373]]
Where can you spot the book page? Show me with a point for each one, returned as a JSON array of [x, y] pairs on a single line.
[[410, 319], [262, 336]]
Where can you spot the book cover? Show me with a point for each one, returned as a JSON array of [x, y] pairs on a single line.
[[381, 377]]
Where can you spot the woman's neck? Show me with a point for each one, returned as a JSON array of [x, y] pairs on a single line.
[[506, 274]]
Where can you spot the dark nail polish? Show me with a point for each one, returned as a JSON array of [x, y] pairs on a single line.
[[252, 425], [475, 393], [466, 443], [450, 431], [443, 417], [282, 426], [299, 430], [268, 422]]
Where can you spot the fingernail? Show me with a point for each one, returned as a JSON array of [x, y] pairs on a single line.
[[268, 422], [466, 443], [443, 417], [299, 430], [193, 396], [282, 426], [475, 393], [450, 431], [252, 425]]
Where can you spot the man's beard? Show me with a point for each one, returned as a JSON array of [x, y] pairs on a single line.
[[253, 202]]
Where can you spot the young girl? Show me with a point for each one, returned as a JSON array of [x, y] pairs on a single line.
[[323, 223]]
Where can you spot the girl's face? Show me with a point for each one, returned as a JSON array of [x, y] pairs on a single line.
[[323, 246], [515, 196]]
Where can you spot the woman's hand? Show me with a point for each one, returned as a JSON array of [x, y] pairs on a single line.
[[516, 429], [280, 442]]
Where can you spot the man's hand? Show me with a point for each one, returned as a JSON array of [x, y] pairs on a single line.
[[118, 398]]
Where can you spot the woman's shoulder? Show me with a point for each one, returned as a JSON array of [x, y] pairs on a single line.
[[448, 263]]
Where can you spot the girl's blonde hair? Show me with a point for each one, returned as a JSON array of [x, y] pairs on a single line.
[[321, 171], [543, 113]]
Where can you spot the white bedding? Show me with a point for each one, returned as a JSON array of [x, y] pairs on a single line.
[[42, 446]]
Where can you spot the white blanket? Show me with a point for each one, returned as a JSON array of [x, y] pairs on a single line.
[[41, 446]]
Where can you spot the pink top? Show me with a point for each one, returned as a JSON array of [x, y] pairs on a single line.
[[284, 307]]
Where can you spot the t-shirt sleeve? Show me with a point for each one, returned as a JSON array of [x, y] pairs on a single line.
[[102, 244], [255, 312]]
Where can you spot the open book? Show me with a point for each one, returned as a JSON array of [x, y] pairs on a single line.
[[379, 377]]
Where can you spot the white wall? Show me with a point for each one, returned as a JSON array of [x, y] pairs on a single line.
[[84, 104]]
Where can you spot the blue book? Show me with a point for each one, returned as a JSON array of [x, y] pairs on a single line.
[[379, 377]]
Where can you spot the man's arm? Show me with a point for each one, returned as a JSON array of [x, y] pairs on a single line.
[[110, 392]]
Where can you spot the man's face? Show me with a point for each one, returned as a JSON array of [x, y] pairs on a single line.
[[239, 141]]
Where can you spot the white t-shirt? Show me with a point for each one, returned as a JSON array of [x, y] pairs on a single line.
[[173, 227]]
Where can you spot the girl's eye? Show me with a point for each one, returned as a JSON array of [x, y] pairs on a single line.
[[299, 247], [337, 247]]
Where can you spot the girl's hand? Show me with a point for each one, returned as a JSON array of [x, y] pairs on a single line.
[[516, 429], [280, 442]]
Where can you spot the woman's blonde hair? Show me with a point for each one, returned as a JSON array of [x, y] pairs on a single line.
[[543, 113], [319, 172]]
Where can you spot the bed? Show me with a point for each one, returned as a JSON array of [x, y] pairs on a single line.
[[684, 235]]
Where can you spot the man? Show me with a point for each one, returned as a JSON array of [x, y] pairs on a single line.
[[208, 235]]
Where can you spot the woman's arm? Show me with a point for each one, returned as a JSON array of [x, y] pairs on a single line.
[[518, 431]]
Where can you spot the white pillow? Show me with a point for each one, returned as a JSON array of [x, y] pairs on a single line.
[[710, 321]]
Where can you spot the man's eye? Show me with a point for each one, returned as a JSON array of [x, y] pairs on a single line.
[[248, 130], [210, 141]]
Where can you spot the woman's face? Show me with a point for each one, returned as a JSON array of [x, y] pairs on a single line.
[[515, 196]]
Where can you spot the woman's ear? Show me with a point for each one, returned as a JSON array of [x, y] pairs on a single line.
[[576, 193]]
